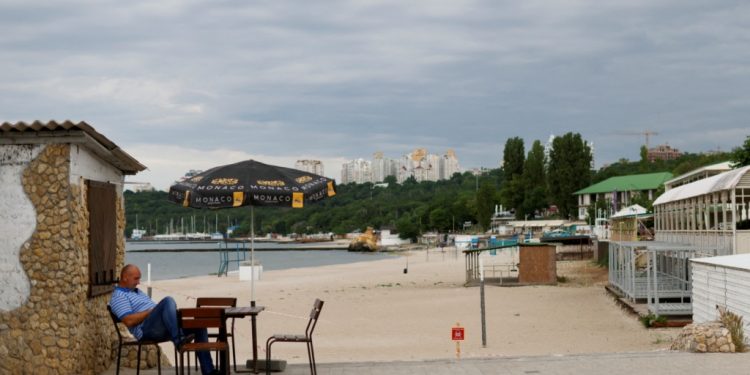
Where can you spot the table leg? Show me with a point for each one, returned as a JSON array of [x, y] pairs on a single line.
[[254, 342], [255, 345]]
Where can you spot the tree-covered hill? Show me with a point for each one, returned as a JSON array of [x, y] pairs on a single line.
[[411, 208], [533, 184]]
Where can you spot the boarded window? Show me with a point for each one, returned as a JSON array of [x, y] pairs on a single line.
[[102, 199]]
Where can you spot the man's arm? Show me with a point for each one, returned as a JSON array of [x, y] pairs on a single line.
[[134, 319]]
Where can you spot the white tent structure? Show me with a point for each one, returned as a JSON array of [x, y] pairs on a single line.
[[721, 281], [705, 213], [630, 211]]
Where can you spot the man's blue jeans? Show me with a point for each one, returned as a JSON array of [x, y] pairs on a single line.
[[161, 324]]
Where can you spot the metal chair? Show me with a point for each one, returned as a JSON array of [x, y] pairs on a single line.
[[129, 341], [220, 302], [306, 338], [204, 318]]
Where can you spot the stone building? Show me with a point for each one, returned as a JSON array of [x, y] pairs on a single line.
[[663, 152], [62, 228]]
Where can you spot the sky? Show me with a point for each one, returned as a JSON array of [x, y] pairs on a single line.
[[185, 84]]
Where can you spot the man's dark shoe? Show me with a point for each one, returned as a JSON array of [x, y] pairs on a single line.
[[184, 340], [215, 372]]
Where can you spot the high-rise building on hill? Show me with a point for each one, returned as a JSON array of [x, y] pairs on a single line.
[[419, 164], [312, 166], [448, 165], [358, 171]]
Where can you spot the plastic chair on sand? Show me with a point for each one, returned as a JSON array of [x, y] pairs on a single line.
[[306, 338]]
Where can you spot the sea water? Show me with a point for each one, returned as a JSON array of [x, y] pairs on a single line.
[[169, 264]]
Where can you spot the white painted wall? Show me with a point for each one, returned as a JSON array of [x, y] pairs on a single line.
[[388, 239], [723, 281], [84, 165], [17, 223], [743, 242]]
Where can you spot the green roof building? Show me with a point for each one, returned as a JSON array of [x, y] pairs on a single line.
[[619, 191]]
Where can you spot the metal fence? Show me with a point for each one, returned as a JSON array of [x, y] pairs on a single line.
[[658, 272]]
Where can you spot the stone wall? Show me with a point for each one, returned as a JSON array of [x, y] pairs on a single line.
[[58, 330], [710, 337]]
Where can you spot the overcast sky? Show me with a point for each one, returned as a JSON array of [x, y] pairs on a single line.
[[187, 84]]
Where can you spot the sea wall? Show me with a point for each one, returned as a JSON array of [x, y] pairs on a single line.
[[57, 329]]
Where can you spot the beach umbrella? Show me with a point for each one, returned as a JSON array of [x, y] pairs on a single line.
[[251, 183]]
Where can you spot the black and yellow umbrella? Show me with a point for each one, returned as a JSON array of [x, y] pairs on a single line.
[[251, 183]]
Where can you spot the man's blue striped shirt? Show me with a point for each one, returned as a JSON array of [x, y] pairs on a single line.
[[129, 301]]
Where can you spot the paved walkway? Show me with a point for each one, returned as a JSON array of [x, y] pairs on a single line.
[[662, 363]]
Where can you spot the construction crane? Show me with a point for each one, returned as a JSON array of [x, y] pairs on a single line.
[[646, 133]]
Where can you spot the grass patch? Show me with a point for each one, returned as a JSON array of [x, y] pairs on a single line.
[[562, 279], [650, 319], [733, 323], [660, 340]]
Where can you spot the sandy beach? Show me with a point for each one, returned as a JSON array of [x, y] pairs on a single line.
[[375, 312]]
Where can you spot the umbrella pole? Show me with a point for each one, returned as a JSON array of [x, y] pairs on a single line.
[[252, 255]]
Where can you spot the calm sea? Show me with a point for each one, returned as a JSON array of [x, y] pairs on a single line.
[[184, 259]]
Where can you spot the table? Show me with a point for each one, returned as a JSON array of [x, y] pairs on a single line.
[[241, 312]]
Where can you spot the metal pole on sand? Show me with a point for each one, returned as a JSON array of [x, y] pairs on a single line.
[[481, 297], [252, 256]]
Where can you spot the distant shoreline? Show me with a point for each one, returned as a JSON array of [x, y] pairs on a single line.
[[219, 246], [300, 248]]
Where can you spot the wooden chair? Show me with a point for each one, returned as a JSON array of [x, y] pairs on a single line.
[[220, 302], [306, 338], [129, 341], [199, 318]]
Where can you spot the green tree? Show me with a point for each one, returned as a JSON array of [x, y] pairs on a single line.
[[513, 157], [741, 156], [440, 219], [534, 180], [512, 194], [569, 171], [407, 228], [643, 164], [485, 204]]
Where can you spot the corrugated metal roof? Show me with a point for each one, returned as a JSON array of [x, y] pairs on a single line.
[[19, 132], [633, 182], [740, 261], [722, 167], [720, 182]]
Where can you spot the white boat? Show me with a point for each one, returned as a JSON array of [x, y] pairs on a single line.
[[137, 234], [197, 236]]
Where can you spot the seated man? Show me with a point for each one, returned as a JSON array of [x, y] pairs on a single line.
[[147, 320]]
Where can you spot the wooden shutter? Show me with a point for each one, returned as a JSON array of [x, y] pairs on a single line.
[[102, 201]]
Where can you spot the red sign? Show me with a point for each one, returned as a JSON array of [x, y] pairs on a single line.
[[457, 333]]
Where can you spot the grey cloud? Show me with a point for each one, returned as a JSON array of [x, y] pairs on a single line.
[[344, 79]]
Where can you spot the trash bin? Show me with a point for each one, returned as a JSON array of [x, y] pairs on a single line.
[[248, 271]]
